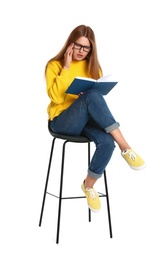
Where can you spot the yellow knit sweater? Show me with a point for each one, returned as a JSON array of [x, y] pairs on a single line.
[[57, 82]]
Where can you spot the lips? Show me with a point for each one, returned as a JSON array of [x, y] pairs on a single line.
[[79, 56]]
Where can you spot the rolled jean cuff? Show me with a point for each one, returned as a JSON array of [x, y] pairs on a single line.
[[94, 175], [111, 128]]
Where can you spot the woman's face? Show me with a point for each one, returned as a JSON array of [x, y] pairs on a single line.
[[81, 49]]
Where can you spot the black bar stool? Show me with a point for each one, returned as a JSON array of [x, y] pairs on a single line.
[[67, 139]]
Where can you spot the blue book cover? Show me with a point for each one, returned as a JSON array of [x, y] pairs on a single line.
[[81, 84]]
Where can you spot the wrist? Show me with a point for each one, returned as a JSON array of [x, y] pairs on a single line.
[[65, 67]]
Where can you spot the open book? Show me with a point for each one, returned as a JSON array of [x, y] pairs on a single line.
[[82, 84]]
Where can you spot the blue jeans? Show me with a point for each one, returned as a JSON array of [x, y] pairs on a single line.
[[90, 116]]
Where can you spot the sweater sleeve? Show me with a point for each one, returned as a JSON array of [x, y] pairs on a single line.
[[57, 82]]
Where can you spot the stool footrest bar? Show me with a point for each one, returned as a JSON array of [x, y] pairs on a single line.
[[76, 197]]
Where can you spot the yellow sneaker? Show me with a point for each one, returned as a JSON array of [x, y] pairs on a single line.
[[133, 159], [92, 198]]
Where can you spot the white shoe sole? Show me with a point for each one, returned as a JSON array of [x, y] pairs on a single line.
[[138, 168]]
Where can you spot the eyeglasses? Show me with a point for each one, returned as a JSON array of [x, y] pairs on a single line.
[[78, 46]]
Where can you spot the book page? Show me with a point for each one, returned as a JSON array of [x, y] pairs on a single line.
[[84, 78], [107, 78]]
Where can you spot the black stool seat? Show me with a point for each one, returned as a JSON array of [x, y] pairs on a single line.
[[76, 139], [70, 138]]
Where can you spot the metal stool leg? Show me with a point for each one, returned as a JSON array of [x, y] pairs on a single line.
[[61, 188], [46, 183], [60, 192], [108, 204], [89, 211]]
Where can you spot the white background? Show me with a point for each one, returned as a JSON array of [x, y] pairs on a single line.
[[131, 39]]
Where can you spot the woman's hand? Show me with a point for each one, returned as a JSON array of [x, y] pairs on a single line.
[[81, 93], [68, 56]]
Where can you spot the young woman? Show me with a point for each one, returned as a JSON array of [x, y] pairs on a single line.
[[86, 114]]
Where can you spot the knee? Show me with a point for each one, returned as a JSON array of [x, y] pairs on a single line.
[[93, 94], [107, 143]]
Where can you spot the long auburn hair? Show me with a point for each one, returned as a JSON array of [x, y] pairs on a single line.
[[92, 57]]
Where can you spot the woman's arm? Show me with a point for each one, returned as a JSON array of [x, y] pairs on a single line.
[[57, 82]]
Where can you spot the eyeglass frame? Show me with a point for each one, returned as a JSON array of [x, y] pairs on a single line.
[[80, 46]]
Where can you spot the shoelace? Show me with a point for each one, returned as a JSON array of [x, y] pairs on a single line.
[[91, 193], [132, 155]]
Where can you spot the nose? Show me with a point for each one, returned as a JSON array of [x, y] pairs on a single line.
[[81, 49]]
